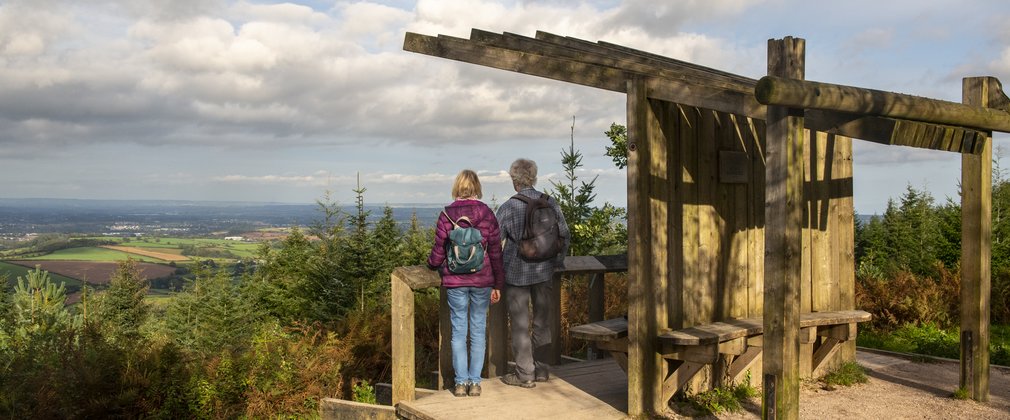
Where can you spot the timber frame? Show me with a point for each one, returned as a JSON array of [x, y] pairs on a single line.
[[752, 180]]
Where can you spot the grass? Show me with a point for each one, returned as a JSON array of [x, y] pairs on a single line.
[[961, 393], [92, 254], [930, 340], [848, 374], [14, 271]]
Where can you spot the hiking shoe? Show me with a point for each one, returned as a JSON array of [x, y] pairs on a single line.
[[474, 390], [542, 377], [459, 390], [513, 379]]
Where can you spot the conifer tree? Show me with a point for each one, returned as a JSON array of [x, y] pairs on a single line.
[[417, 242], [594, 230], [387, 240], [358, 262], [122, 309], [211, 314]]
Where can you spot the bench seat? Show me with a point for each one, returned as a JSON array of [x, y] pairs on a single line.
[[690, 349]]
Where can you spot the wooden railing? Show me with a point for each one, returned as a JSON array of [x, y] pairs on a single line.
[[407, 280]]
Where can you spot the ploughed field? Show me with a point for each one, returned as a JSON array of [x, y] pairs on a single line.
[[94, 272]]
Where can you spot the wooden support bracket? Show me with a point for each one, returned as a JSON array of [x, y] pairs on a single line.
[[843, 332], [679, 376], [823, 352]]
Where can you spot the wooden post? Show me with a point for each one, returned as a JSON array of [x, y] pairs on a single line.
[[555, 320], [497, 339], [596, 314], [976, 210], [402, 339], [783, 228], [446, 377], [644, 393]]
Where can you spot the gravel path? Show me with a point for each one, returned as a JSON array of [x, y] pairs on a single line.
[[898, 389]]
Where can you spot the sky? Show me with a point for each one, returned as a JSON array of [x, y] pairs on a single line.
[[284, 102]]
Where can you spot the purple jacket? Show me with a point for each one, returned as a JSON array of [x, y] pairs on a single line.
[[492, 275]]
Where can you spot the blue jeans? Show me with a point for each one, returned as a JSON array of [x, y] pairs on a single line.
[[477, 300]]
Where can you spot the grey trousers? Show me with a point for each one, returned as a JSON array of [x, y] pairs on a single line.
[[531, 346]]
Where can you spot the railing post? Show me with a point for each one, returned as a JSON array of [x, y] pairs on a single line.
[[497, 339], [402, 339], [596, 300], [446, 378], [555, 320]]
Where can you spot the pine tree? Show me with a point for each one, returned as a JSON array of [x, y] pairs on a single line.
[[417, 242], [594, 230], [388, 240], [211, 315], [122, 309], [358, 262]]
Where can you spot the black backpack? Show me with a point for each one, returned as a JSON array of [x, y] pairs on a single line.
[[541, 238]]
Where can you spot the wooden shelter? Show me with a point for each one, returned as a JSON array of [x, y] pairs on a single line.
[[740, 204]]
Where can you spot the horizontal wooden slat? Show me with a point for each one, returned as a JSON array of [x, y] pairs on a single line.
[[417, 277], [596, 264], [608, 330]]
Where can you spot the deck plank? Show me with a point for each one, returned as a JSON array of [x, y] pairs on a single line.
[[582, 390]]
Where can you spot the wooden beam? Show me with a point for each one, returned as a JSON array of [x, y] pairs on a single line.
[[784, 91], [783, 228], [581, 62], [976, 231]]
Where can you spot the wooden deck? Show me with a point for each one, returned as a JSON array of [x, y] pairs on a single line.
[[595, 390]]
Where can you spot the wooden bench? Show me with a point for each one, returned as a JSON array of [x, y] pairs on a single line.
[[690, 349]]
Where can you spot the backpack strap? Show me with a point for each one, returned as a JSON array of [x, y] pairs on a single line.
[[455, 223]]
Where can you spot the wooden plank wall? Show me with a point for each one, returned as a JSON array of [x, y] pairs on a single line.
[[714, 268]]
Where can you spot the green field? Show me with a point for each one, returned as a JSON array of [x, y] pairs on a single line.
[[241, 249], [92, 254], [14, 271]]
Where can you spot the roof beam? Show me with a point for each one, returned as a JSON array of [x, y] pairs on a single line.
[[771, 90], [602, 67]]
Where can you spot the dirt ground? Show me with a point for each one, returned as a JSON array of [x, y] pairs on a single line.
[[898, 389]]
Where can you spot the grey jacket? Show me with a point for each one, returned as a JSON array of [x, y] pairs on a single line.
[[512, 220]]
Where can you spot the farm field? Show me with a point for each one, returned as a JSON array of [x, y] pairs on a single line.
[[94, 272], [148, 252], [14, 271], [239, 248], [91, 254]]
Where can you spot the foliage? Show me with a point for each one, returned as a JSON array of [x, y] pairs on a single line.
[[909, 298], [721, 399], [961, 393], [211, 316], [847, 374], [594, 230], [122, 309], [363, 393], [618, 150]]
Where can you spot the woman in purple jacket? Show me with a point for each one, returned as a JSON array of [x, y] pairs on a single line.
[[469, 294]]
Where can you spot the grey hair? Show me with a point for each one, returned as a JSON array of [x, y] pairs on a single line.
[[523, 173]]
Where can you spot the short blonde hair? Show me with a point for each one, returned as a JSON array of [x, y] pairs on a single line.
[[523, 173], [466, 185]]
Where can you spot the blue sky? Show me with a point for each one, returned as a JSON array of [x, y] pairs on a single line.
[[269, 101]]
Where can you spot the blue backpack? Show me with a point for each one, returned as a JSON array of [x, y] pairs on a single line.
[[464, 251]]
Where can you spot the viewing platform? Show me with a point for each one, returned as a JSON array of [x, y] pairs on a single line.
[[596, 389]]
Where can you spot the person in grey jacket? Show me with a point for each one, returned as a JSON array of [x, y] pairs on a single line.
[[527, 281]]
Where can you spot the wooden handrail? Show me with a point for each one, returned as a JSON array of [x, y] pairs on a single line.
[[406, 280]]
